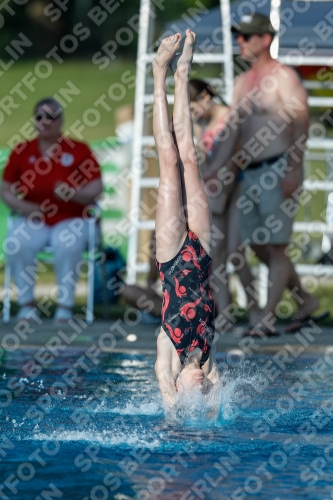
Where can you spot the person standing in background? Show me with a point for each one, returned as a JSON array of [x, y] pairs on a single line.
[[268, 125], [209, 113]]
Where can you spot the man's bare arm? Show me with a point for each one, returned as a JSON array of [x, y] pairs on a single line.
[[293, 95]]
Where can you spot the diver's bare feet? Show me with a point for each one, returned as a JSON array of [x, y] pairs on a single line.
[[185, 60], [166, 52]]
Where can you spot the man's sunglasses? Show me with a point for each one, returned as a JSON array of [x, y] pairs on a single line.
[[247, 36], [45, 116]]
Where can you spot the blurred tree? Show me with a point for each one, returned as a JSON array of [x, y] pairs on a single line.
[[36, 23], [46, 22]]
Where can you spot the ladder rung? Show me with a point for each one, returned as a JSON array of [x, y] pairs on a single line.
[[320, 144], [320, 101], [199, 58], [211, 58], [312, 227], [146, 224], [153, 182], [313, 84], [147, 182], [312, 101], [149, 99], [293, 60], [314, 269], [318, 185], [148, 140], [309, 185]]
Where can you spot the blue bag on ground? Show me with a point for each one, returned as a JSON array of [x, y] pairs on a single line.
[[108, 276]]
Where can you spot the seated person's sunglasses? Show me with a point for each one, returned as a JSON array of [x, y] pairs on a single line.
[[45, 116]]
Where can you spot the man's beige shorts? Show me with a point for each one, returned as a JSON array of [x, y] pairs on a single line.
[[266, 217]]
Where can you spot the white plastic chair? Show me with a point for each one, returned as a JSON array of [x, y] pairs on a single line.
[[90, 258]]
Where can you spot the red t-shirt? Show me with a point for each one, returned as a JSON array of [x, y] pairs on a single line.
[[36, 177]]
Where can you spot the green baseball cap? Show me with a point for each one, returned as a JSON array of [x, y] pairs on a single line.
[[252, 24]]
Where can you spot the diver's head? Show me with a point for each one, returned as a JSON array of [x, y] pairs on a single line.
[[192, 377]]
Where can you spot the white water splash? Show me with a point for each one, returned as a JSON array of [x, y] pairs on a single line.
[[228, 398], [138, 409], [239, 389], [106, 438]]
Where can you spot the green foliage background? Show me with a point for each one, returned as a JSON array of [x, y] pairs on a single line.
[[32, 20]]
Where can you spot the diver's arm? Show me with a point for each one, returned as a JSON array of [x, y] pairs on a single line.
[[167, 383], [210, 367], [165, 373], [213, 375]]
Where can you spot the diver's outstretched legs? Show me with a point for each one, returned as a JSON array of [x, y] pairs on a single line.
[[196, 202], [170, 219]]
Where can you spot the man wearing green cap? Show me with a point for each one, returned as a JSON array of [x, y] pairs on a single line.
[[266, 137]]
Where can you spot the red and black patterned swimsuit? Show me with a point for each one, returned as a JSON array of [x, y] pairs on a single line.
[[188, 305]]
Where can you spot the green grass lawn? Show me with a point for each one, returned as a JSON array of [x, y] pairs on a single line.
[[116, 83]]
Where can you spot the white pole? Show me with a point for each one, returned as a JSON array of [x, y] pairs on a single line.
[[275, 20], [136, 171], [227, 49]]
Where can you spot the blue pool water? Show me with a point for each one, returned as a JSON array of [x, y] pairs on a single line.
[[99, 431]]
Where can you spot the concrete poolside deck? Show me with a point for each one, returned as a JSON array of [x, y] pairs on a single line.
[[118, 336]]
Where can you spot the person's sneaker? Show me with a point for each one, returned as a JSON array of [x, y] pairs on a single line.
[[29, 313], [62, 315]]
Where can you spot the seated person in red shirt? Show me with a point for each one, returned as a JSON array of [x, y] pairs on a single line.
[[49, 182]]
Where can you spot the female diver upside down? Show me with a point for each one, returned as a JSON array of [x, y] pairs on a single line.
[[185, 351]]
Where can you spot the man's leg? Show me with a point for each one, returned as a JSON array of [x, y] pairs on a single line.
[[219, 277], [170, 220], [278, 254], [236, 253], [279, 265], [196, 201], [276, 226]]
